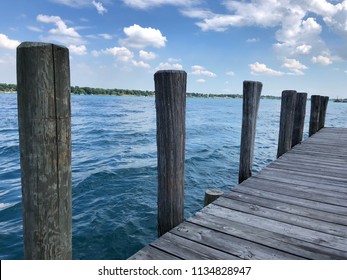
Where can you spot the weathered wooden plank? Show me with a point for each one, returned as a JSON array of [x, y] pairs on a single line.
[[312, 193], [277, 215], [266, 237], [239, 247], [294, 208], [320, 238], [337, 190], [294, 191], [299, 172], [187, 249], [305, 177], [252, 190], [151, 253], [336, 173], [310, 167], [312, 159], [289, 208]]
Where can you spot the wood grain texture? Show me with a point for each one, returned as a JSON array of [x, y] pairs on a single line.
[[251, 98], [299, 118], [170, 100], [323, 109], [211, 195], [44, 119], [286, 121], [296, 208], [315, 114]]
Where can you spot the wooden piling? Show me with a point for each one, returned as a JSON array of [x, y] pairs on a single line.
[[251, 97], [323, 109], [299, 118], [44, 119], [286, 121], [315, 114], [170, 100], [211, 195]]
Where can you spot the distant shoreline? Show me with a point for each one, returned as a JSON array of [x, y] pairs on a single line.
[[76, 90]]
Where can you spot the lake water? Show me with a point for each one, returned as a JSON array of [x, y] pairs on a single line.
[[114, 166]]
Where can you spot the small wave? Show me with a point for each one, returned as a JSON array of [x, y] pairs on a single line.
[[3, 206]]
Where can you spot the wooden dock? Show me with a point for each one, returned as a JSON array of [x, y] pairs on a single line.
[[295, 208]]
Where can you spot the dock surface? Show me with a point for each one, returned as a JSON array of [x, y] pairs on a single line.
[[295, 208]]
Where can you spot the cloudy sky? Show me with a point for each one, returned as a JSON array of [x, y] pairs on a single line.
[[286, 44]]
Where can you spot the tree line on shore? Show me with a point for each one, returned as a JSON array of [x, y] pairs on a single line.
[[121, 92]]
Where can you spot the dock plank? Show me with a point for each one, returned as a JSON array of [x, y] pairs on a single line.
[[295, 208]]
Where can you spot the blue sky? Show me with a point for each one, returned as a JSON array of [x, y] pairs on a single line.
[[286, 44]]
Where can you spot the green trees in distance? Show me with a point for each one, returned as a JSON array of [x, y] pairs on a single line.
[[120, 92], [8, 88], [101, 91]]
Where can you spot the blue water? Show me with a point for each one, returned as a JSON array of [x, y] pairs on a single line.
[[114, 166]]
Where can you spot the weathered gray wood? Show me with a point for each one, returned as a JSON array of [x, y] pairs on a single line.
[[286, 121], [151, 253], [266, 237], [294, 190], [315, 114], [211, 195], [251, 97], [236, 246], [187, 249], [299, 118], [170, 99], [294, 208], [287, 230], [287, 207], [252, 190], [278, 215], [44, 119], [323, 109]]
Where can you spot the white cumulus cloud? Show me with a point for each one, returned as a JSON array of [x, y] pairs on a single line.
[[261, 69], [78, 50], [298, 24], [99, 7], [61, 29], [321, 59], [303, 49], [8, 43], [200, 70], [169, 66], [140, 64], [201, 81], [62, 33], [295, 66], [120, 53], [147, 55], [140, 37]]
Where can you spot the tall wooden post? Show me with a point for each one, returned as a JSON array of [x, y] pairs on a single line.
[[323, 109], [315, 114], [170, 100], [299, 118], [286, 121], [44, 119], [251, 97]]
